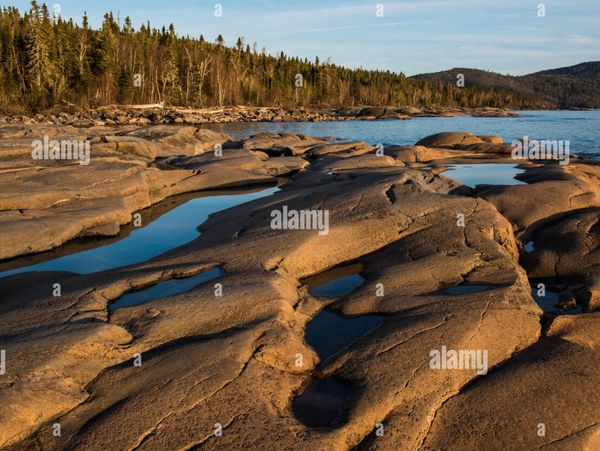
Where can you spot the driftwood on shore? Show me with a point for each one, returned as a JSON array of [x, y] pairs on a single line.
[[139, 107]]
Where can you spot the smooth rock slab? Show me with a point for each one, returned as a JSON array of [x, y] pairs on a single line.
[[240, 359], [550, 386]]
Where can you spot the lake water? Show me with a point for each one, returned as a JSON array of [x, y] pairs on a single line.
[[580, 128]]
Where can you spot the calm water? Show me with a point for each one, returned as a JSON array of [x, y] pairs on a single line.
[[484, 174], [329, 333], [169, 231], [323, 404], [338, 287], [529, 247], [549, 302], [164, 289], [335, 282], [580, 128]]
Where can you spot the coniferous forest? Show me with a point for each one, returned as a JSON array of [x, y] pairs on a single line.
[[47, 61]]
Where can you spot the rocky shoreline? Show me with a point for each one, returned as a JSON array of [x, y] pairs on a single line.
[[440, 263], [159, 114]]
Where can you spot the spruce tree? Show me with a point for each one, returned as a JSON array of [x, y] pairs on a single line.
[[39, 66]]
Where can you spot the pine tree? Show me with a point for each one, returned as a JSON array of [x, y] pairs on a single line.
[[102, 56], [171, 86], [125, 85], [39, 65]]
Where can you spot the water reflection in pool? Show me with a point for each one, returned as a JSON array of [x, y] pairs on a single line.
[[174, 228], [484, 174], [165, 289]]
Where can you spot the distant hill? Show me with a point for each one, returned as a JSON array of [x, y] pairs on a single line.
[[583, 70], [566, 87]]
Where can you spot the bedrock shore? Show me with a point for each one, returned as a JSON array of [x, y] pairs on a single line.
[[159, 114], [233, 360]]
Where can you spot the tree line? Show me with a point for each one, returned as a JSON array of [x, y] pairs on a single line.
[[48, 60]]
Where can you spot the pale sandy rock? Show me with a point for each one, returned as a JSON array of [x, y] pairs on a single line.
[[492, 139], [184, 140], [122, 178], [449, 139], [551, 385], [282, 144], [550, 190], [416, 154], [258, 331], [233, 360]]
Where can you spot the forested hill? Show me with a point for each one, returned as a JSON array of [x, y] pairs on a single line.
[[47, 61], [566, 87]]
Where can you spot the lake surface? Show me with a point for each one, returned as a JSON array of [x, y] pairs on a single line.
[[580, 128]]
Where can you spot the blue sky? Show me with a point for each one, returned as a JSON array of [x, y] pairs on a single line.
[[413, 36]]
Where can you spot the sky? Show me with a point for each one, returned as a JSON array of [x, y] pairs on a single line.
[[410, 36]]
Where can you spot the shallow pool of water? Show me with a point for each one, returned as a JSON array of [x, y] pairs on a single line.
[[165, 289], [173, 229], [323, 404], [336, 282], [529, 247], [549, 302], [338, 287], [329, 333], [484, 174]]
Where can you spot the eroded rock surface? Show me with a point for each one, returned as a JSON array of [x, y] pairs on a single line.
[[467, 141], [556, 211], [45, 203], [517, 408], [220, 365]]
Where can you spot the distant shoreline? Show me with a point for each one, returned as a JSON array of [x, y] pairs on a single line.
[[160, 114]]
